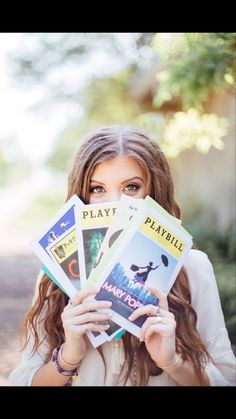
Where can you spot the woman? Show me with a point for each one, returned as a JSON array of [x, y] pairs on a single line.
[[185, 344]]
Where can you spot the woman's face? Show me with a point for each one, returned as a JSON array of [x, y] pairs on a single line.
[[120, 175]]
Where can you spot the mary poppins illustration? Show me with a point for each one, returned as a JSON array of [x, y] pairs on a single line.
[[142, 276]]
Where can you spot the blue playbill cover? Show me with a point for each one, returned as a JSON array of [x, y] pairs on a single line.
[[56, 247], [64, 252]]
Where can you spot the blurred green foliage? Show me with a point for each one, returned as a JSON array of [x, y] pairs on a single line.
[[105, 101], [67, 66], [56, 61], [66, 145], [192, 66], [196, 64], [14, 167], [13, 172], [189, 129], [225, 276], [154, 123], [2, 161], [185, 130], [41, 208]]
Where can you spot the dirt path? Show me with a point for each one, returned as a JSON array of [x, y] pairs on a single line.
[[18, 274]]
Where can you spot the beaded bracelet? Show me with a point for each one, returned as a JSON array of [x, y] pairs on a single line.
[[58, 366], [171, 365], [67, 364]]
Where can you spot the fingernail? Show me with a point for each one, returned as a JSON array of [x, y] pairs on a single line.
[[130, 318]]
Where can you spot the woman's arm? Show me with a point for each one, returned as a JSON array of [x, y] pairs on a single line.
[[77, 318], [183, 373], [158, 333], [49, 374]]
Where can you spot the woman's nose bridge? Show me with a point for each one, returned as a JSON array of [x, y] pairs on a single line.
[[114, 195]]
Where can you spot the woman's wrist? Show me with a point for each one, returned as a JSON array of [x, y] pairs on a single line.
[[172, 364], [183, 372], [68, 358], [63, 367]]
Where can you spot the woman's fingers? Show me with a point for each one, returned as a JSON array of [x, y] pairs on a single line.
[[84, 314], [162, 329], [90, 317], [162, 297], [149, 310], [81, 295], [86, 307], [80, 330], [163, 322]]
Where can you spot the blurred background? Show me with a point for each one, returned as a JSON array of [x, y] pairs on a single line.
[[57, 87]]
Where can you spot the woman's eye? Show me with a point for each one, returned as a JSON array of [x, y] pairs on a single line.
[[131, 188], [97, 189]]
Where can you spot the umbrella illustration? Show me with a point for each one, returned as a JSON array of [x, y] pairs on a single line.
[[164, 261], [134, 268]]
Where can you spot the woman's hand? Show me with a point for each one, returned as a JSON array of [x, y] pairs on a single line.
[[158, 331], [79, 316]]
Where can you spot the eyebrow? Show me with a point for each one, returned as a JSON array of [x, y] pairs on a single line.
[[124, 181]]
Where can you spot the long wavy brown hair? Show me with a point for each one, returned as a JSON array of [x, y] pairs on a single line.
[[45, 314]]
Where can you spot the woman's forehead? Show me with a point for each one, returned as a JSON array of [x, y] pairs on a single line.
[[123, 166]]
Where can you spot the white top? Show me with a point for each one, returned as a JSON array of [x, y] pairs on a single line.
[[210, 325]]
